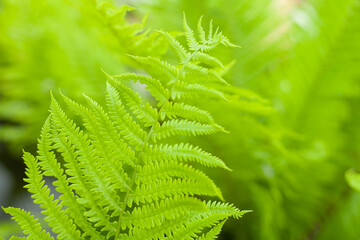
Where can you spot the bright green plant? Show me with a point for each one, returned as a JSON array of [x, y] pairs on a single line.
[[289, 152], [121, 179], [304, 58], [60, 44]]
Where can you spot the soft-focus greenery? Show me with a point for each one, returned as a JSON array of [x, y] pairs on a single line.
[[289, 149], [59, 45]]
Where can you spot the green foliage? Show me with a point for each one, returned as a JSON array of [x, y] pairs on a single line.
[[290, 143], [117, 179], [353, 178], [29, 224], [60, 44], [303, 56]]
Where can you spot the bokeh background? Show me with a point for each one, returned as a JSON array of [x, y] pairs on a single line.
[[294, 130]]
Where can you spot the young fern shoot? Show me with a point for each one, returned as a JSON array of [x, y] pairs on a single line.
[[120, 179]]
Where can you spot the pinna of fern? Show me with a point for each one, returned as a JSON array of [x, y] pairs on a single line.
[[119, 179]]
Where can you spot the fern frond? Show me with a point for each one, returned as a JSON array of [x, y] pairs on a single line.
[[157, 68], [188, 227], [176, 46], [87, 198], [169, 209], [144, 112], [123, 122], [56, 217], [176, 110], [110, 136], [103, 137], [87, 155], [213, 233], [153, 172], [169, 188], [160, 93], [184, 90], [183, 127], [181, 152], [190, 36], [28, 223], [207, 60], [205, 78], [200, 220], [226, 42], [51, 167], [201, 32], [116, 181]]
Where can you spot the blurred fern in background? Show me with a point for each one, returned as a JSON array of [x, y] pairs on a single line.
[[58, 44]]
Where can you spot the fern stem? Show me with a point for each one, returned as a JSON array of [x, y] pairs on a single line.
[[125, 204], [147, 140], [132, 183]]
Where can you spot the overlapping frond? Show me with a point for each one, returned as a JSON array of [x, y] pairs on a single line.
[[55, 215], [138, 39], [117, 180], [29, 224]]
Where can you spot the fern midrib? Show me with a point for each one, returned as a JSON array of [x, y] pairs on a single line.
[[148, 137]]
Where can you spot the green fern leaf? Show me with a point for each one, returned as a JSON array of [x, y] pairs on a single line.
[[197, 222], [201, 32], [190, 36], [183, 127], [168, 188], [207, 60], [155, 87], [176, 110], [181, 152], [184, 90], [151, 215], [158, 68], [56, 217], [29, 224], [144, 112], [153, 172], [176, 46], [51, 167], [123, 122], [117, 182], [213, 233], [87, 197], [88, 157], [103, 137]]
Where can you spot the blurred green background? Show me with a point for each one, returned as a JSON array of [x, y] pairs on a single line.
[[295, 125]]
